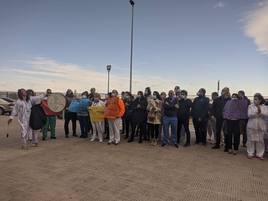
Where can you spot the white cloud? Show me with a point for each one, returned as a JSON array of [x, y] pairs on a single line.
[[219, 4], [257, 27], [260, 3], [43, 73]]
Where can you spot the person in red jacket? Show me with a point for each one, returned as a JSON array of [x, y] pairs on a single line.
[[114, 110]]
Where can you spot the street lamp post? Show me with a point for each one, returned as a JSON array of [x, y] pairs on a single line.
[[131, 46], [109, 67]]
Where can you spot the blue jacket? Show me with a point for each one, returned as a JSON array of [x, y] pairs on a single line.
[[83, 107]]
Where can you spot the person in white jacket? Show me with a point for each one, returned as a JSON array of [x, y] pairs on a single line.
[[98, 125], [256, 127], [22, 110]]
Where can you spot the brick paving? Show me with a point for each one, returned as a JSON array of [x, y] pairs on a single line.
[[76, 169]]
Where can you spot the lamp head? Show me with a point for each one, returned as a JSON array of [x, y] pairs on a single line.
[[109, 67], [132, 2]]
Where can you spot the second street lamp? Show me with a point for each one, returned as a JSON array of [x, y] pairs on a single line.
[[109, 67]]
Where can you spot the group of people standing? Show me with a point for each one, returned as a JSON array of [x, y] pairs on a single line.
[[160, 117]]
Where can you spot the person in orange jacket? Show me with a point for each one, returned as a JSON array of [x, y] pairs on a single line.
[[114, 110]]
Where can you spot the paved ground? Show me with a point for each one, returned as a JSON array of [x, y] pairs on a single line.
[[75, 169]]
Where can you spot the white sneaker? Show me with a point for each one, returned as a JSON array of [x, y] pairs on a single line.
[[92, 140], [101, 141]]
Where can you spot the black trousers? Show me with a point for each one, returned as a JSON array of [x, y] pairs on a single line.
[[221, 125], [69, 116], [153, 130], [123, 123], [201, 130], [142, 129], [233, 135], [127, 126], [147, 134], [243, 129], [106, 129], [185, 124]]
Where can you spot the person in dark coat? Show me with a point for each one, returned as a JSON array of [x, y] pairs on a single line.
[[123, 97], [184, 111], [244, 102], [148, 96], [69, 116], [92, 94], [211, 119], [232, 114], [139, 116], [128, 100], [217, 112], [200, 116]]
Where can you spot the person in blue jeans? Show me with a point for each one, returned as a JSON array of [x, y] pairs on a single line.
[[82, 115], [170, 107]]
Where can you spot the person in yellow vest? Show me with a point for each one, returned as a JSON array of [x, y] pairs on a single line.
[[114, 110], [96, 111]]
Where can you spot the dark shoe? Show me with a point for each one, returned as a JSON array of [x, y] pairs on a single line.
[[216, 147], [204, 144], [44, 139], [176, 145], [244, 145], [53, 138], [126, 137], [140, 141], [74, 135], [83, 136], [66, 136], [162, 145], [226, 150], [130, 140]]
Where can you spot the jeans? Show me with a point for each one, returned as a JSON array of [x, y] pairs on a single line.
[[84, 125], [170, 121]]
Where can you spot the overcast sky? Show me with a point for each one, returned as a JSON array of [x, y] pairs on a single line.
[[62, 44]]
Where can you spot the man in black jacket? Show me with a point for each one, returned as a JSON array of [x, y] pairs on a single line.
[[184, 110], [139, 116], [217, 112], [170, 119], [200, 116]]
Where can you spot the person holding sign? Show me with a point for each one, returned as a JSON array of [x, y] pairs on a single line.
[[96, 112]]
